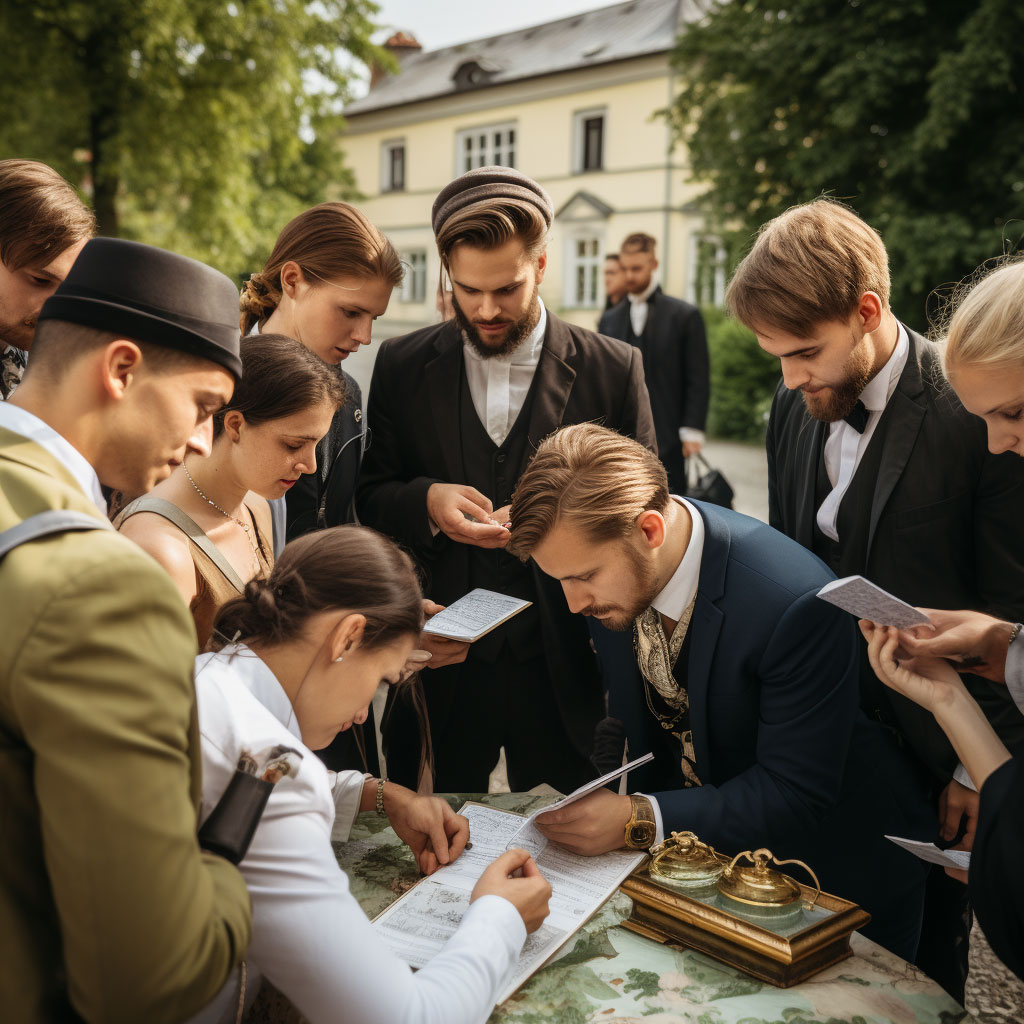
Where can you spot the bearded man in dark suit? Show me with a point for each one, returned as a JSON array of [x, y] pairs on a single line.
[[455, 412], [877, 468]]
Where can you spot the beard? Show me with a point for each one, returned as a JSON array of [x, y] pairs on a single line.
[[836, 401], [17, 335], [518, 330], [620, 617]]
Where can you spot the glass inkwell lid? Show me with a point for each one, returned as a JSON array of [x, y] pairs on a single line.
[[682, 861], [761, 890]]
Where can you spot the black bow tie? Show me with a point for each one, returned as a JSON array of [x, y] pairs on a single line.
[[858, 417]]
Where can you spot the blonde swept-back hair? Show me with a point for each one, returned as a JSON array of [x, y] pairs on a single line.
[[808, 266], [987, 325], [591, 478], [491, 223], [327, 241]]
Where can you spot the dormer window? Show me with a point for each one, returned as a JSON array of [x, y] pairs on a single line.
[[471, 74]]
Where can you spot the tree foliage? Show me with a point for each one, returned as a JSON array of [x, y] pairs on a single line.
[[911, 111], [198, 125]]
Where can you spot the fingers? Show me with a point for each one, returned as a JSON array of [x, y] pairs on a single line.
[[509, 861], [439, 839], [958, 873], [431, 607], [530, 869], [457, 828]]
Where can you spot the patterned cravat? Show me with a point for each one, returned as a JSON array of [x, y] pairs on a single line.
[[669, 702], [12, 365]]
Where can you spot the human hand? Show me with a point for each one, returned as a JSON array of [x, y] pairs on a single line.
[[591, 825], [515, 877], [442, 650], [427, 825], [691, 448], [960, 874], [449, 504], [929, 682], [955, 803], [977, 641], [501, 515]]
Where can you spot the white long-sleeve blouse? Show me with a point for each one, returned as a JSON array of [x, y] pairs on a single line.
[[310, 936]]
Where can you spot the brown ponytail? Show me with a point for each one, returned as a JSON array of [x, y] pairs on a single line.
[[327, 241]]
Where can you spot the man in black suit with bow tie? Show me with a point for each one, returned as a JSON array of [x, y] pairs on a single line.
[[876, 467], [456, 411]]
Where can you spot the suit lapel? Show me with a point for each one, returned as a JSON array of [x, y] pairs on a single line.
[[444, 382], [552, 385], [809, 450], [901, 424]]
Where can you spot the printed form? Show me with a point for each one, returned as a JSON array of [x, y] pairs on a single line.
[[474, 615]]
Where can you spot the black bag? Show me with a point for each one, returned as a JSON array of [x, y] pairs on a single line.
[[710, 485]]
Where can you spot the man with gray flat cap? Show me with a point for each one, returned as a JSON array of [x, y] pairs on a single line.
[[456, 411], [108, 909]]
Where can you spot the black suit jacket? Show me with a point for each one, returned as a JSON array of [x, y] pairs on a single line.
[[675, 352], [940, 523], [413, 415]]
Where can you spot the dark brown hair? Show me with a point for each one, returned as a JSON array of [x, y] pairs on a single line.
[[639, 242], [808, 266], [591, 477], [491, 223], [327, 241], [280, 377], [40, 214]]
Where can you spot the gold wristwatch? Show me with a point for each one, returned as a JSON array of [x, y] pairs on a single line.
[[641, 827]]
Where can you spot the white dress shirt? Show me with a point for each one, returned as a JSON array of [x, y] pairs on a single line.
[[1015, 672], [310, 936], [845, 447], [499, 385], [31, 426], [675, 597]]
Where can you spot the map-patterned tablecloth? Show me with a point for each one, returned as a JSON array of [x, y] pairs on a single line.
[[612, 975]]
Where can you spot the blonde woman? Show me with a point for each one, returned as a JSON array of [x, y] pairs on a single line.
[[984, 363]]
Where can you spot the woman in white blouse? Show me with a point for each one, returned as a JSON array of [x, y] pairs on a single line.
[[341, 613]]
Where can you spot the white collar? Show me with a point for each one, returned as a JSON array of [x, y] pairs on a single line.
[[880, 388], [646, 293], [255, 674], [23, 422], [527, 354], [676, 595]]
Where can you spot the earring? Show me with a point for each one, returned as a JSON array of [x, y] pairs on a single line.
[[339, 658]]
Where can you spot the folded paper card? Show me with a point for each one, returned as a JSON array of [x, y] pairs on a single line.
[[474, 615], [866, 600]]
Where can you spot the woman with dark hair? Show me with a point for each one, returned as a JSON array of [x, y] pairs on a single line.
[[209, 523], [340, 613]]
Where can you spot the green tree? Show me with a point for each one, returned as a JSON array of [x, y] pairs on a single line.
[[909, 110], [200, 125]]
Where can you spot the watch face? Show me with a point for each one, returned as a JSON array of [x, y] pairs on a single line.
[[642, 835]]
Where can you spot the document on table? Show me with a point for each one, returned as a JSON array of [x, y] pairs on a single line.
[[866, 600], [931, 853], [474, 615], [531, 839], [417, 925]]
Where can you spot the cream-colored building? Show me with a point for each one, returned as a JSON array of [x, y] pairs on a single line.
[[573, 104]]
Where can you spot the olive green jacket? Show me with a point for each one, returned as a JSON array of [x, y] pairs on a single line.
[[107, 905]]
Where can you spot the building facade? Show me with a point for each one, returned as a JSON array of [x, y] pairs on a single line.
[[573, 104]]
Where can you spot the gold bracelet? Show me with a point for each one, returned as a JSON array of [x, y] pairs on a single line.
[[380, 797]]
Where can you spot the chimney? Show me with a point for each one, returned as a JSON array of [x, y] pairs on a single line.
[[400, 45]]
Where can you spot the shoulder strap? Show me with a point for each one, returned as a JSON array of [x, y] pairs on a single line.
[[189, 527], [55, 520]]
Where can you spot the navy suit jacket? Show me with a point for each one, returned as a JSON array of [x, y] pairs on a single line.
[[786, 758]]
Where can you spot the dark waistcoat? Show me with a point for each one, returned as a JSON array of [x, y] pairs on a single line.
[[494, 470]]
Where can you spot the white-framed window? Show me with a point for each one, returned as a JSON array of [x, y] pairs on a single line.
[[392, 166], [707, 270], [488, 144], [588, 140], [583, 279], [414, 284]]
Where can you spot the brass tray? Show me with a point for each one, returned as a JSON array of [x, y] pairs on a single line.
[[783, 953]]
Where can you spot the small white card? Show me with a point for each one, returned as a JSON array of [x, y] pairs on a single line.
[[866, 600], [931, 853], [474, 615]]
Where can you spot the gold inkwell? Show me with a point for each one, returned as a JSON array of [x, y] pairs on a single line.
[[741, 910]]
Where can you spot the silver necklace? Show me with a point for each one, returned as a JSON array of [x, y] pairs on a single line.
[[234, 519]]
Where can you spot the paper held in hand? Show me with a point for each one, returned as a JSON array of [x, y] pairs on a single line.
[[474, 615], [866, 600], [932, 854]]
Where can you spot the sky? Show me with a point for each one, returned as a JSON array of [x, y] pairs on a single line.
[[438, 23]]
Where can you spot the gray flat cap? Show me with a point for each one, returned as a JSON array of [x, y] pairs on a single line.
[[489, 183]]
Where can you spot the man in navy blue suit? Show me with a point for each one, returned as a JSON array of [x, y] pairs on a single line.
[[719, 658]]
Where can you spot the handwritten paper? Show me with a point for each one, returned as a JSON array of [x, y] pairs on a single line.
[[474, 615], [866, 600], [933, 855]]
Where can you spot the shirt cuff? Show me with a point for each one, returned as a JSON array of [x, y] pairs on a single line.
[[691, 434], [659, 829], [1015, 672], [347, 790], [961, 776]]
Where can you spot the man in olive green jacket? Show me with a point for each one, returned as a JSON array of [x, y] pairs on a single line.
[[109, 911]]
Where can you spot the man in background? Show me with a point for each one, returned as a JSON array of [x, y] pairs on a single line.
[[614, 281], [670, 335], [43, 226]]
